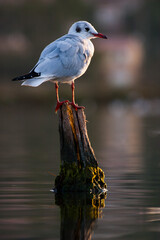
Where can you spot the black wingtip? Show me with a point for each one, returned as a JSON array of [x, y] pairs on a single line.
[[19, 78], [15, 79], [27, 76]]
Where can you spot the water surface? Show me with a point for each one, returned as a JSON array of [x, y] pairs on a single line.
[[126, 140]]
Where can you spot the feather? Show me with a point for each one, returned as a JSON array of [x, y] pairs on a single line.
[[33, 82]]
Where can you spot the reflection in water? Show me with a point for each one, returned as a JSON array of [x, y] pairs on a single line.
[[121, 138], [78, 214]]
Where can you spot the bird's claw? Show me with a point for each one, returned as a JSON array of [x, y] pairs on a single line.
[[59, 104], [76, 106]]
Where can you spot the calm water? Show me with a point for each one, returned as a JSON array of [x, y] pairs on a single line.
[[126, 140]]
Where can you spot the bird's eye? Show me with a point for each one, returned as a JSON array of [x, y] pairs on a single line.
[[87, 29], [78, 29]]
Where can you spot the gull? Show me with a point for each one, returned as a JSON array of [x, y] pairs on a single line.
[[64, 60]]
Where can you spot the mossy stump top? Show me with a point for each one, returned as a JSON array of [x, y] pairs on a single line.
[[79, 169]]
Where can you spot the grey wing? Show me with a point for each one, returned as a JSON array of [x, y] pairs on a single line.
[[62, 59]]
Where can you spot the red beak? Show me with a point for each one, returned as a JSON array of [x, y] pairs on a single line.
[[99, 35]]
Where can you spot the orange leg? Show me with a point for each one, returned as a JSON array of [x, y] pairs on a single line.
[[57, 96], [73, 99]]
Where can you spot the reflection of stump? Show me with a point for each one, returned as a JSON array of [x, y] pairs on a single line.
[[78, 215], [79, 168]]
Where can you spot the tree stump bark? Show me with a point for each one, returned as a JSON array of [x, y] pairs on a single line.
[[79, 169]]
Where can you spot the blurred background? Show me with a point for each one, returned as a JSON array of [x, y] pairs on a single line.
[[121, 93], [124, 66]]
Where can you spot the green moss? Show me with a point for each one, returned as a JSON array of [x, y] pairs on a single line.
[[74, 179]]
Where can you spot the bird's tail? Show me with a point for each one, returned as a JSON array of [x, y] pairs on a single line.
[[34, 82], [32, 79]]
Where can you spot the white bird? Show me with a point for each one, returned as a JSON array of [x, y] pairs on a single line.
[[64, 60]]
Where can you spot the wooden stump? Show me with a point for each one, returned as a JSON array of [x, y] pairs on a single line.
[[79, 169]]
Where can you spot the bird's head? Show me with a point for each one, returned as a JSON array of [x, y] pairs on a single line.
[[85, 30]]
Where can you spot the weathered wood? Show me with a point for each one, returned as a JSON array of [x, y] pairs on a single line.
[[74, 141], [79, 168]]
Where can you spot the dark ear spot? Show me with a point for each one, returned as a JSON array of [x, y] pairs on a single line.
[[78, 29]]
